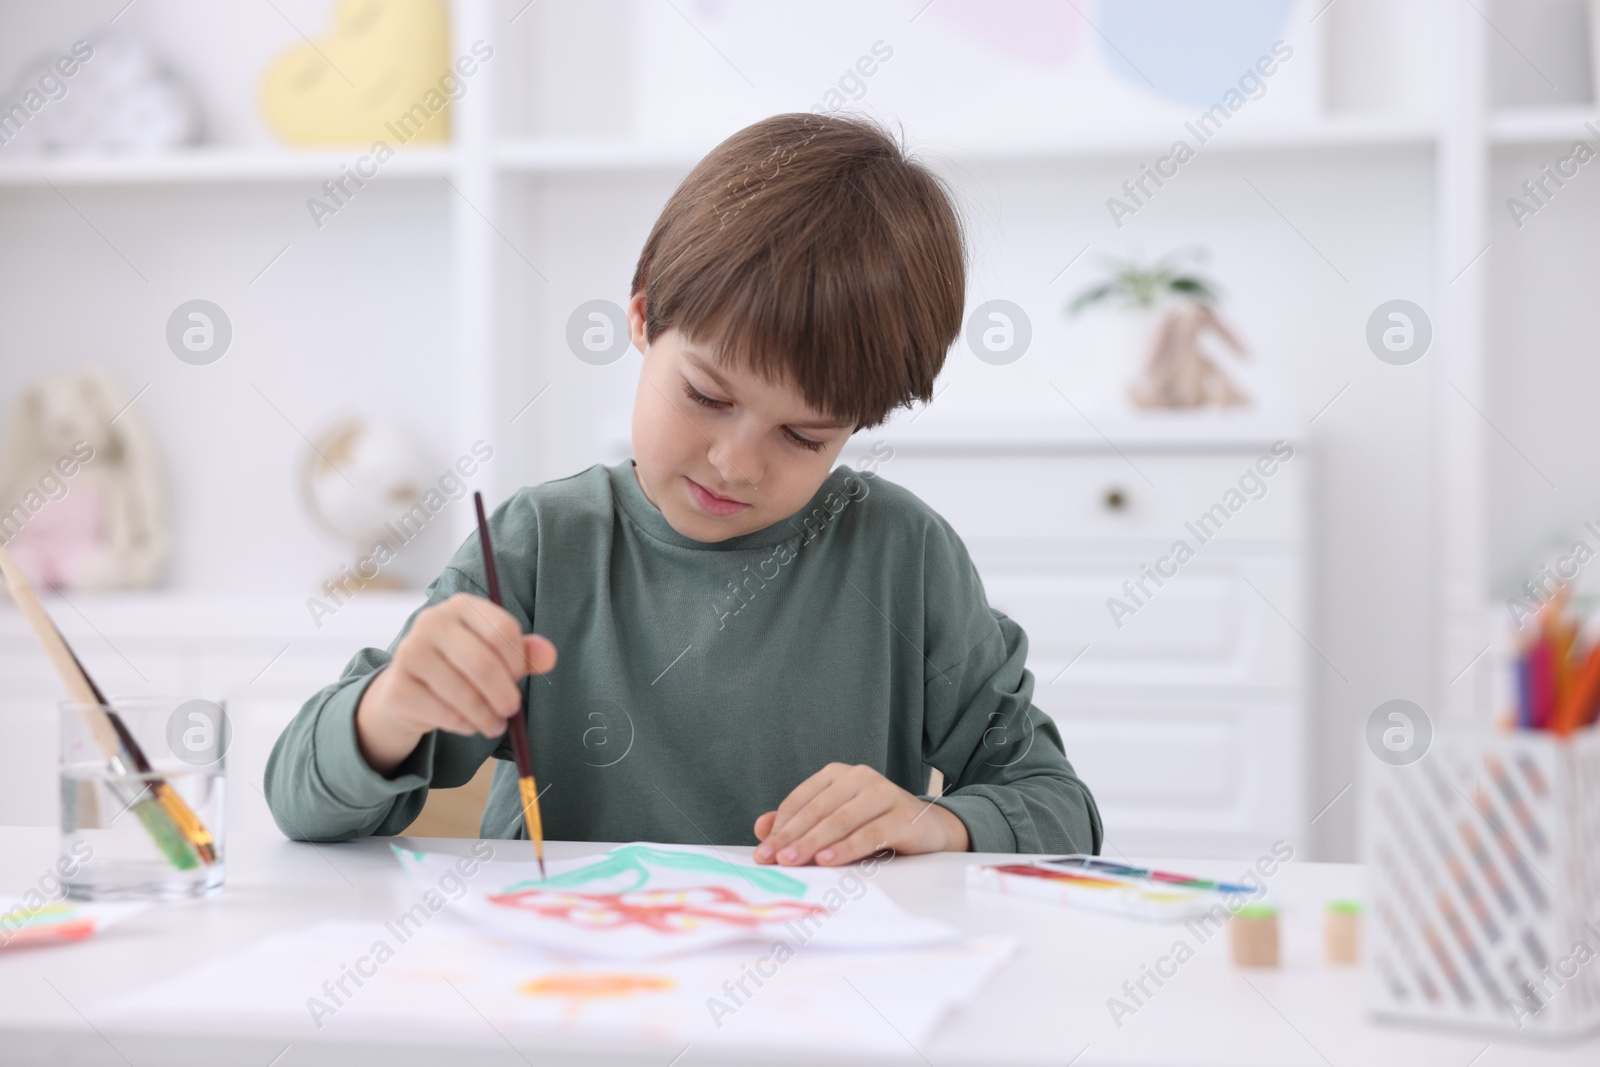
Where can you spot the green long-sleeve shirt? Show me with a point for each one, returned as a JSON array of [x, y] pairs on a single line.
[[698, 683]]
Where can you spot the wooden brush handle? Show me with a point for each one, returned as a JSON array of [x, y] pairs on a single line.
[[72, 676]]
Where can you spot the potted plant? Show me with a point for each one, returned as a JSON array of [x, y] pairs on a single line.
[[1172, 306]]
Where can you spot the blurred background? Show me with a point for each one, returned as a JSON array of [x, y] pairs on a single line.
[[1300, 286]]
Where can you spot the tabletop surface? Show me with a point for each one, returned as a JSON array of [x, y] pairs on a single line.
[[1049, 1005]]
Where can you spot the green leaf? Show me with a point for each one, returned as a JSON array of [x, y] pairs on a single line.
[[1131, 284]]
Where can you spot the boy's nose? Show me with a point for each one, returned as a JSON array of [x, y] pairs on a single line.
[[737, 461]]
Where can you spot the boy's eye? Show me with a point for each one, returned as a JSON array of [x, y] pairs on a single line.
[[705, 401], [700, 398], [804, 442]]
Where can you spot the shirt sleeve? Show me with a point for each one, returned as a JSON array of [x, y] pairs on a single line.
[[320, 787], [1007, 775]]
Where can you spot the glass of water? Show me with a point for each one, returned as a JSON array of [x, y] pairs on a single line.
[[142, 793]]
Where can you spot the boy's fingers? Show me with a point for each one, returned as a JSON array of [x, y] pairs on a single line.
[[829, 816], [497, 627], [450, 722], [455, 693], [522, 653], [873, 837], [785, 831], [763, 825], [540, 653], [802, 794], [477, 662], [839, 824]]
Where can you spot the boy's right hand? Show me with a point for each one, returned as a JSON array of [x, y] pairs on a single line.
[[457, 669]]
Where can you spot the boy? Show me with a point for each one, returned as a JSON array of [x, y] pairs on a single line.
[[755, 648]]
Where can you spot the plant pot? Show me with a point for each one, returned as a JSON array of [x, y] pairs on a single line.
[[1110, 355]]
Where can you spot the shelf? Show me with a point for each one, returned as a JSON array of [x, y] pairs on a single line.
[[566, 155], [555, 155], [1543, 125], [536, 155], [1344, 132], [216, 165]]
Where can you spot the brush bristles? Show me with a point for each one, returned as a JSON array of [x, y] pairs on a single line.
[[171, 840]]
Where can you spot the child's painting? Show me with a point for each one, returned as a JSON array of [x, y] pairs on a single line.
[[642, 901]]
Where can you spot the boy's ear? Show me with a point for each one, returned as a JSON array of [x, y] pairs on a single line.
[[636, 322]]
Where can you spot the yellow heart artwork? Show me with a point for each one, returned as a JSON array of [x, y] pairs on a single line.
[[375, 76]]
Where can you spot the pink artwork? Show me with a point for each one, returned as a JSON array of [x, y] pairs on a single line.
[[665, 910], [1040, 31]]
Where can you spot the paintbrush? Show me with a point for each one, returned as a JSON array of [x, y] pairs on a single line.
[[180, 814], [173, 825], [519, 728]]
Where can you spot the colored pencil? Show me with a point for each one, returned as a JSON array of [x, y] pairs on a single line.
[[519, 728], [1579, 702], [1524, 709], [1542, 677]]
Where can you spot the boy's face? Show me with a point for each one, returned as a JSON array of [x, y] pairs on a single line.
[[720, 450]]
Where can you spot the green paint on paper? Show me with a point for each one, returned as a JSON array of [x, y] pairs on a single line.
[[632, 859]]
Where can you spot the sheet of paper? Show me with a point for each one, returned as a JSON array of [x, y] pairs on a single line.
[[454, 978], [643, 901]]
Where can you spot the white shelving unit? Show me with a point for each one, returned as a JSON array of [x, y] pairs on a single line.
[[220, 166], [1542, 126], [439, 298]]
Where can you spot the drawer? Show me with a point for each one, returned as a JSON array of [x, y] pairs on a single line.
[[1192, 768], [1155, 497], [1217, 622]]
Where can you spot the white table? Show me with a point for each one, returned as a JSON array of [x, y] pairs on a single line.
[[1048, 1006]]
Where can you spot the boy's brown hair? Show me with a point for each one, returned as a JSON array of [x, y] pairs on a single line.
[[811, 249]]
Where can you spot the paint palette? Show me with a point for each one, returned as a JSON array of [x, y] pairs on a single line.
[[1088, 882]]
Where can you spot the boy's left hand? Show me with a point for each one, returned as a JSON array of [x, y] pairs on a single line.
[[844, 813]]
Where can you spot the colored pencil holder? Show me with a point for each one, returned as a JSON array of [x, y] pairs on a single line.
[[1484, 865]]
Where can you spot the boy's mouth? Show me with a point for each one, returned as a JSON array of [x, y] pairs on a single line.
[[712, 504]]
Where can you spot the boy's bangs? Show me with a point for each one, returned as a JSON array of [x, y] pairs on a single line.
[[843, 346], [811, 251]]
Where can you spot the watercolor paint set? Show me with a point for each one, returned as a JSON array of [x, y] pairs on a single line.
[[1103, 885]]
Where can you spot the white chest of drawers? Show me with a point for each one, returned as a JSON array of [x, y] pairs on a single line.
[[1176, 676]]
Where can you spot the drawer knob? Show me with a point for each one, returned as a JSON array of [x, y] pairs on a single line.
[[1116, 499]]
